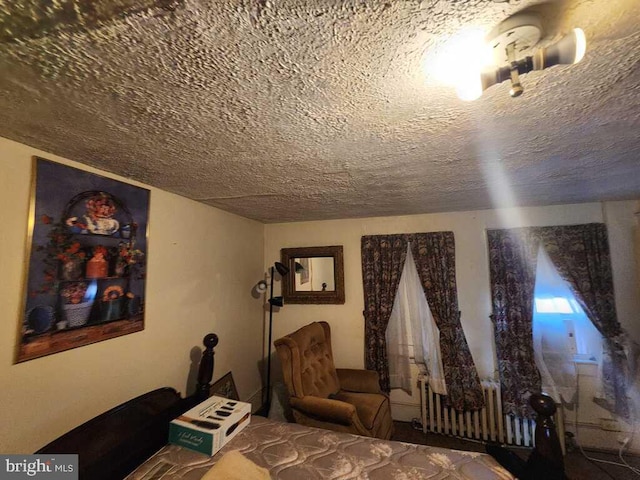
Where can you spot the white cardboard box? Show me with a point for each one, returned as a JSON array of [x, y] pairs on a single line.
[[208, 426]]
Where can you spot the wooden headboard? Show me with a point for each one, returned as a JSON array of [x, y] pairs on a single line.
[[113, 444]]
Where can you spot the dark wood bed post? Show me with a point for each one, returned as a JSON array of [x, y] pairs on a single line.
[[205, 371], [546, 461], [548, 452]]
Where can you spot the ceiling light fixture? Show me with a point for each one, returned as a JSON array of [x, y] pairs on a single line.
[[513, 38]]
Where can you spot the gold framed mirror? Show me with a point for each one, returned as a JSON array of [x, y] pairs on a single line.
[[316, 275]]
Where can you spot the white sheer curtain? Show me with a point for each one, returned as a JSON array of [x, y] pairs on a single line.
[[553, 348], [412, 332]]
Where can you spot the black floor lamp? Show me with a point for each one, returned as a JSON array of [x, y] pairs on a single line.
[[282, 269]]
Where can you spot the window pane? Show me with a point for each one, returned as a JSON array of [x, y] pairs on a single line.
[[544, 305], [561, 305], [553, 305]]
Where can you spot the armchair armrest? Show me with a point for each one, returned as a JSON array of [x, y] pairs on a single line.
[[325, 409], [354, 380]]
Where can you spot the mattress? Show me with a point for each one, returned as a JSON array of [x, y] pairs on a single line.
[[296, 452]]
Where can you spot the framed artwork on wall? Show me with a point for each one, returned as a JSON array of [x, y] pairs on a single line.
[[225, 387], [86, 260]]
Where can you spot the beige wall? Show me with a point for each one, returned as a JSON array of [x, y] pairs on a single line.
[[202, 266], [472, 270]]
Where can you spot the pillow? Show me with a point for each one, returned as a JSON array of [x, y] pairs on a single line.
[[235, 466]]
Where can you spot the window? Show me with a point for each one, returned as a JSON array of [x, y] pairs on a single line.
[[412, 335], [562, 332]]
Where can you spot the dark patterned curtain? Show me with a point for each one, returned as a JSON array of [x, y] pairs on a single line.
[[580, 253], [434, 254], [383, 258], [512, 268]]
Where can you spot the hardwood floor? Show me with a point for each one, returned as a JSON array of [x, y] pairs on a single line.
[[577, 467]]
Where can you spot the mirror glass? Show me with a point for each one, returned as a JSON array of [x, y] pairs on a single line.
[[315, 275]]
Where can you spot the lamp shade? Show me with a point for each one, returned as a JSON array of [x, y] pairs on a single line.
[[261, 286], [566, 51], [479, 83], [281, 268], [276, 301]]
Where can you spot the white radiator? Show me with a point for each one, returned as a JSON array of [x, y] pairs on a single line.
[[486, 424]]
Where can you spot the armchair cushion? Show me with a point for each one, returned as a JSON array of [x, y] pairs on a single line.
[[355, 380], [307, 361], [371, 407], [325, 409]]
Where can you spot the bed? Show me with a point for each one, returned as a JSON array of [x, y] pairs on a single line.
[[130, 441], [295, 452]]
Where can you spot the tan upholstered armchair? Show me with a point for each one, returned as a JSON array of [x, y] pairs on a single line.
[[322, 396]]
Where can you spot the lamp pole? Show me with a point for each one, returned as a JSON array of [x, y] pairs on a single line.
[[268, 402], [278, 302]]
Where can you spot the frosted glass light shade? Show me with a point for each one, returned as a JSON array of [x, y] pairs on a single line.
[[568, 50]]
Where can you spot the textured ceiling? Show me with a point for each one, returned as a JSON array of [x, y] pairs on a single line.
[[303, 110]]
